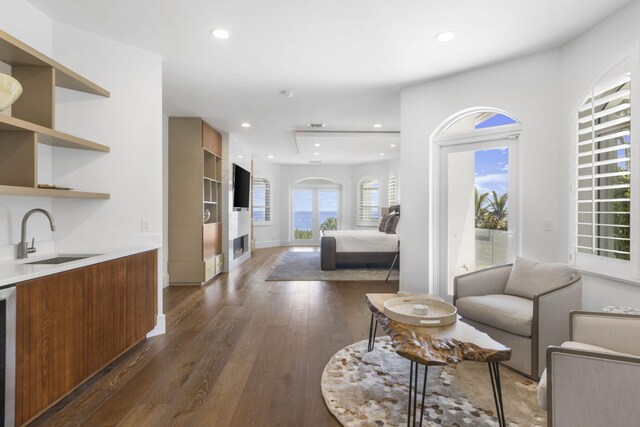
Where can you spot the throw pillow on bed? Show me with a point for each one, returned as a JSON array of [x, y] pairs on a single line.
[[383, 222], [392, 223]]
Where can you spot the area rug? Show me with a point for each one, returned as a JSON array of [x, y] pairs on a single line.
[[305, 266], [371, 389]]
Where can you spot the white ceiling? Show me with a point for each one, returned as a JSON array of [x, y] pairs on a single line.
[[346, 60], [345, 148]]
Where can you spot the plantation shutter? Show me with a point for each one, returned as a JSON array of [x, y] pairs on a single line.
[[604, 171], [261, 200], [368, 201], [392, 191]]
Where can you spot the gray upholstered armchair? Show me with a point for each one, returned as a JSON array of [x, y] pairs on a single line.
[[524, 305], [594, 378]]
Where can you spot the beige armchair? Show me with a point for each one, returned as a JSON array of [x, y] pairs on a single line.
[[524, 305], [594, 378]]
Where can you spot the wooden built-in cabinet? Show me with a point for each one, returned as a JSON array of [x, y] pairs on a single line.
[[195, 187], [70, 325], [32, 120]]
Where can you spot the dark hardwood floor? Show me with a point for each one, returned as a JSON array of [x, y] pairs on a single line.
[[238, 351]]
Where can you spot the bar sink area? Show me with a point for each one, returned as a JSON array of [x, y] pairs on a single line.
[[61, 259]]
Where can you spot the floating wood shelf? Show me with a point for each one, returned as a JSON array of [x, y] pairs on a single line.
[[49, 136], [14, 52], [43, 192]]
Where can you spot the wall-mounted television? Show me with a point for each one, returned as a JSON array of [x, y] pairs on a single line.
[[241, 187]]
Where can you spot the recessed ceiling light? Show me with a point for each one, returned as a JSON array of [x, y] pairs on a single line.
[[382, 154], [220, 33], [240, 156], [269, 157], [317, 145], [316, 154], [316, 125], [245, 125], [393, 146], [446, 36], [377, 125]]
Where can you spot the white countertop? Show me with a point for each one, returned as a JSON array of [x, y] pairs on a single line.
[[17, 271]]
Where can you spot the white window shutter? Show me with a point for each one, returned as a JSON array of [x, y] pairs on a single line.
[[261, 200], [603, 181], [393, 183], [368, 201]]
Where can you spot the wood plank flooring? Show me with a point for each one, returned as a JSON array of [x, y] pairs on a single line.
[[238, 351]]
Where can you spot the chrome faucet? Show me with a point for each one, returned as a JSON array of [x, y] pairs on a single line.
[[23, 246]]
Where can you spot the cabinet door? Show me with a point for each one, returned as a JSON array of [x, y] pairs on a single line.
[[211, 140], [211, 240], [104, 313], [49, 341], [142, 299]]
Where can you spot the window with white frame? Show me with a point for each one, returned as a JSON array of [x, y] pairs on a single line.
[[604, 184], [261, 200], [393, 188], [368, 201]]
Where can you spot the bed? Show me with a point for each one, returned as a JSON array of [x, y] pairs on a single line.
[[371, 247]]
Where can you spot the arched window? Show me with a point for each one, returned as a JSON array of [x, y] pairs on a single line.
[[604, 198], [368, 202], [392, 191], [261, 200]]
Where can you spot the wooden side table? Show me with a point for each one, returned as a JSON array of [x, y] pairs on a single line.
[[433, 346]]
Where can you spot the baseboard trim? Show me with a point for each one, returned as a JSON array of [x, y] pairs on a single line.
[[161, 326], [271, 244]]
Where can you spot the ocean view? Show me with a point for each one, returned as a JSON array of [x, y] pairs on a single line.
[[303, 220]]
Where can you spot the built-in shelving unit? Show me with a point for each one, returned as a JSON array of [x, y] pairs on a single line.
[[195, 189], [32, 120]]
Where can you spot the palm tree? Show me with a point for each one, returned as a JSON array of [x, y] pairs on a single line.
[[481, 210], [497, 212]]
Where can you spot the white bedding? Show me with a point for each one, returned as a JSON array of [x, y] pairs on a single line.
[[363, 240]]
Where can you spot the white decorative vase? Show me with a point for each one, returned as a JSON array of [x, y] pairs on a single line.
[[10, 91]]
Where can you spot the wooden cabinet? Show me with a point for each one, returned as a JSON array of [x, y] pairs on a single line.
[[105, 289], [195, 200], [72, 324], [49, 341], [141, 295]]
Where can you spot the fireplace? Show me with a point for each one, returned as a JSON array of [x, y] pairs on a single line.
[[240, 245]]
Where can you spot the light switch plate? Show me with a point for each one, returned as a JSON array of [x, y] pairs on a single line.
[[146, 227], [547, 224]]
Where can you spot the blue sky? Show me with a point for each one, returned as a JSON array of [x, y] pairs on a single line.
[[492, 166]]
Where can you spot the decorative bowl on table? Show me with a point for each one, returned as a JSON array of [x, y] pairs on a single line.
[[420, 311], [10, 91]]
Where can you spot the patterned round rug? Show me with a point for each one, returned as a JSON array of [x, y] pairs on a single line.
[[371, 389]]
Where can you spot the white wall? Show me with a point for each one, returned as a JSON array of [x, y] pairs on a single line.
[[238, 222], [526, 88], [130, 122], [284, 177], [541, 91]]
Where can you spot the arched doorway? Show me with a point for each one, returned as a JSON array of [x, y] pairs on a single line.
[[315, 205], [475, 196]]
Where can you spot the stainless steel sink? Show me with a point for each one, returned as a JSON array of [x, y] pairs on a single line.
[[61, 259]]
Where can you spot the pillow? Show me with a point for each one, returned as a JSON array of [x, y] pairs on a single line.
[[383, 222], [392, 223], [529, 278]]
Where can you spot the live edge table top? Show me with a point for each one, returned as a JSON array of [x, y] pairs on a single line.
[[445, 345]]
